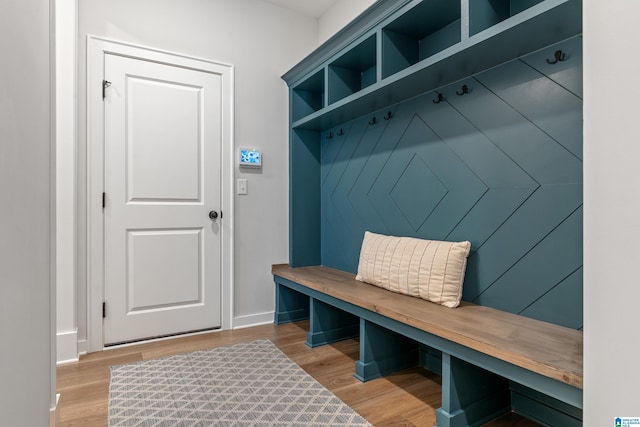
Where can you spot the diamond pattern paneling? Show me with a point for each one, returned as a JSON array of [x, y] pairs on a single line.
[[500, 167], [420, 201]]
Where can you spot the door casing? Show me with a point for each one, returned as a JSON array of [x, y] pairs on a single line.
[[97, 47]]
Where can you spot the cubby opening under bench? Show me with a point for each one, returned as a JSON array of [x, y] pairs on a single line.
[[491, 362]]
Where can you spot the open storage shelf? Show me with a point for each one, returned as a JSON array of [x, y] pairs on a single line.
[[428, 28], [394, 51], [424, 46], [308, 96], [353, 71], [487, 13]]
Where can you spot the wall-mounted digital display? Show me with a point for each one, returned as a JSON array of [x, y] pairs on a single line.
[[250, 158]]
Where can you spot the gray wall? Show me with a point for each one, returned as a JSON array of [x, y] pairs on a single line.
[[611, 203], [25, 215], [340, 14]]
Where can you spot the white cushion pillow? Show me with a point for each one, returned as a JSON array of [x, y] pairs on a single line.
[[430, 269]]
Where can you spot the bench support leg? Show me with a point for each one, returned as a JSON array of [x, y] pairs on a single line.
[[383, 352], [329, 324], [291, 305], [471, 396]]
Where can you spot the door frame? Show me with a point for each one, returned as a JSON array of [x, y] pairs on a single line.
[[97, 48]]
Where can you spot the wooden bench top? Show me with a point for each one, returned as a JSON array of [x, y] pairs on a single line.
[[550, 350]]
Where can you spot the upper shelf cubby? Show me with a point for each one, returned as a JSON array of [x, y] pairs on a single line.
[[308, 96], [487, 13], [353, 71], [398, 49], [428, 28]]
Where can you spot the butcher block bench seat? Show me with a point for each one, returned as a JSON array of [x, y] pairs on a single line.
[[491, 361]]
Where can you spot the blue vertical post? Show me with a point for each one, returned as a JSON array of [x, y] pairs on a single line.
[[471, 396]]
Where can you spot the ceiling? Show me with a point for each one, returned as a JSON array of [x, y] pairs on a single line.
[[313, 8]]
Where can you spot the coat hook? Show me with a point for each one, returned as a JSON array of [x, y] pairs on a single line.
[[330, 135], [373, 121], [340, 133], [389, 116], [558, 55], [439, 100], [465, 90]]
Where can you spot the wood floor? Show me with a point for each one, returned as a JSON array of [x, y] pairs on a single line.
[[408, 398]]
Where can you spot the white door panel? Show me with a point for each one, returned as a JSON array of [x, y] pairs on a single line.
[[158, 260], [162, 177], [164, 156]]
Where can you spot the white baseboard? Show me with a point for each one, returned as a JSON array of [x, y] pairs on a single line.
[[54, 414], [67, 347], [253, 320], [83, 346], [238, 323]]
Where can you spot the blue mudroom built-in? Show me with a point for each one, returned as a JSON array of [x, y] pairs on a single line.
[[450, 121], [483, 143]]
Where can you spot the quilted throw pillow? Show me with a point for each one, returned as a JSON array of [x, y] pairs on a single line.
[[429, 269]]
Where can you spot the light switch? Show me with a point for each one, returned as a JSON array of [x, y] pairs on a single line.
[[242, 186]]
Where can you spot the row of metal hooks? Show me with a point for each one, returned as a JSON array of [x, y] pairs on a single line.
[[558, 56], [463, 91], [340, 133], [387, 116], [373, 121]]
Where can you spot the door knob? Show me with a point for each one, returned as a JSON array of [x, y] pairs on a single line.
[[213, 214]]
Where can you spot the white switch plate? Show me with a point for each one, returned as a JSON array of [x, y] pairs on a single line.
[[242, 186]]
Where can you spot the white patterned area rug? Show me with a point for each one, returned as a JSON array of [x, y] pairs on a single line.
[[249, 384]]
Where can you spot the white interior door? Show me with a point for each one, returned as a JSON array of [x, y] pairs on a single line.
[[162, 178]]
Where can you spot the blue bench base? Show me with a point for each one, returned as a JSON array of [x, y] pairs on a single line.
[[471, 396], [543, 409], [476, 388]]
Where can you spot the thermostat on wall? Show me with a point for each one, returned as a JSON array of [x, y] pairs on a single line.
[[250, 158]]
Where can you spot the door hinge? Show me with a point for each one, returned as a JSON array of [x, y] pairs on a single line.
[[104, 310], [105, 85], [104, 200]]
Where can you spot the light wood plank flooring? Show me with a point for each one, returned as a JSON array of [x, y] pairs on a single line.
[[408, 398]]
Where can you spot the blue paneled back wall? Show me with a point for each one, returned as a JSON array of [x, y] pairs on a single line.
[[500, 166]]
